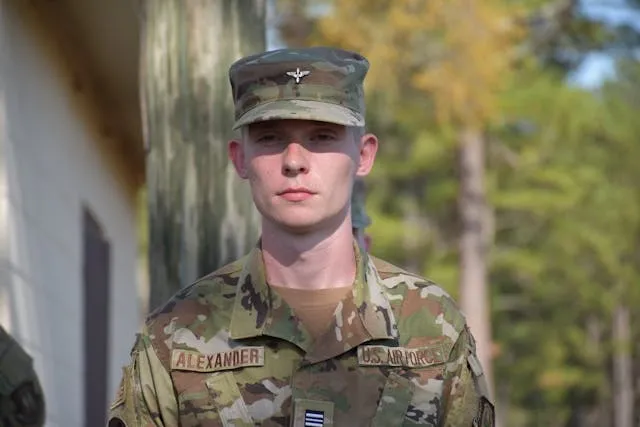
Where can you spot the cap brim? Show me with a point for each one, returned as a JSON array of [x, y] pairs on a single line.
[[301, 109]]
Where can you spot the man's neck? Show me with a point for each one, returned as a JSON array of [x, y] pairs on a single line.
[[310, 261]]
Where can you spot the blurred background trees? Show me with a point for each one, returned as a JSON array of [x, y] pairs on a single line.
[[498, 176], [510, 185]]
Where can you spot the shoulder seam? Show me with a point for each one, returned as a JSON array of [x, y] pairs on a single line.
[[396, 269]]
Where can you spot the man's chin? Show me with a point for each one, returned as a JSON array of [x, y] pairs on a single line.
[[301, 220], [297, 224]]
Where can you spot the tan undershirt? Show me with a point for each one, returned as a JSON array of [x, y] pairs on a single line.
[[314, 307]]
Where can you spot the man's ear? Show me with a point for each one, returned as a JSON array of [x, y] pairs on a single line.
[[368, 150], [235, 151]]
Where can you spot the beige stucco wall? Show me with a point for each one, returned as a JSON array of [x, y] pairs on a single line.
[[52, 161]]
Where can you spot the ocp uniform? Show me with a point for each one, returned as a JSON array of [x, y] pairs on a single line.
[[397, 353], [430, 377]]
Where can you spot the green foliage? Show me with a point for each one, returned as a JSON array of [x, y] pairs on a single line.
[[562, 182], [567, 228]]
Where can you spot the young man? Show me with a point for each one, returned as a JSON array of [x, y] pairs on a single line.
[[307, 329]]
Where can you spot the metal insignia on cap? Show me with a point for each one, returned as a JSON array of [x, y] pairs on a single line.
[[297, 74]]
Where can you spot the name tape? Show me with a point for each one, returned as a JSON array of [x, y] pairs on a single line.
[[241, 357], [378, 355]]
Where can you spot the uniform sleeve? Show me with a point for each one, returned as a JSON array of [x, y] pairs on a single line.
[[145, 397], [466, 400]]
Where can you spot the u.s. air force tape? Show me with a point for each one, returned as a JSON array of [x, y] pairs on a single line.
[[378, 355], [240, 357]]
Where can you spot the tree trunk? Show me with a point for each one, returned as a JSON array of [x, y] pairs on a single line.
[[622, 369], [593, 414], [473, 246], [200, 215]]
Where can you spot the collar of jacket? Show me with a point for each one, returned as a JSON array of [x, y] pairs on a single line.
[[363, 315]]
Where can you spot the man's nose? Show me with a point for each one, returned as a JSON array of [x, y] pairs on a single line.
[[295, 160]]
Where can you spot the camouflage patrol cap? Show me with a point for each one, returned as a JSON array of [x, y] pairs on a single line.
[[317, 83]]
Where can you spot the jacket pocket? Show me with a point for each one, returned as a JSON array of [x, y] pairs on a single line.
[[210, 400], [411, 398], [394, 402], [425, 408], [227, 398]]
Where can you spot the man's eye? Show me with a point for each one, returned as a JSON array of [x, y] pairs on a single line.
[[323, 137], [268, 138]]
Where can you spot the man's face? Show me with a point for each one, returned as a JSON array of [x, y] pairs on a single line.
[[301, 172]]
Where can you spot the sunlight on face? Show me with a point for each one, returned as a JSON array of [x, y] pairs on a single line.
[[301, 172]]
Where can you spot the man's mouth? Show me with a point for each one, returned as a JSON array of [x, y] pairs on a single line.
[[296, 194]]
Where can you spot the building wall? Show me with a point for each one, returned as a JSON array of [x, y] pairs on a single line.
[[51, 165]]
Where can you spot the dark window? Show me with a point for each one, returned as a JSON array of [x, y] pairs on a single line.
[[96, 280]]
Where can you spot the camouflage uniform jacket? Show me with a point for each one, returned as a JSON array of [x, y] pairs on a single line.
[[226, 351]]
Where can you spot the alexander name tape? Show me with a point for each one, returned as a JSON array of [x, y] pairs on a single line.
[[241, 357]]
